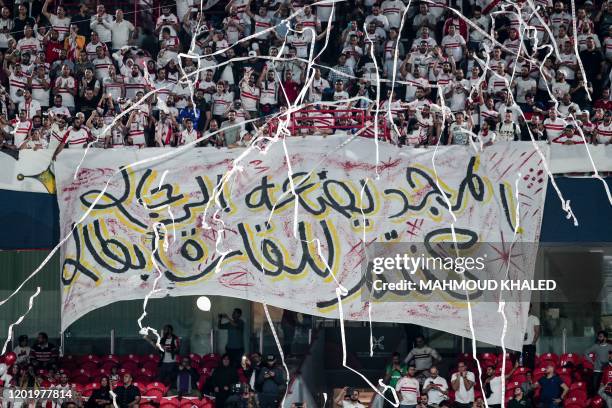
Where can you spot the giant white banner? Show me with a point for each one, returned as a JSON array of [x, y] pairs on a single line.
[[289, 226]]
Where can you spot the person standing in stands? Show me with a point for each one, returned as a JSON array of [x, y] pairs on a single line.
[[422, 356], [408, 388], [168, 364], [235, 335], [463, 383], [532, 334], [271, 381], [43, 354], [289, 321], [553, 389], [600, 350]]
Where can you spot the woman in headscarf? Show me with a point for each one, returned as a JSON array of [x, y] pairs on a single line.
[[101, 397], [222, 380]]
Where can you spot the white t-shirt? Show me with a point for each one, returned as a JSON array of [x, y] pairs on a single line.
[[120, 33], [462, 395], [496, 391], [435, 395], [351, 404], [529, 331]]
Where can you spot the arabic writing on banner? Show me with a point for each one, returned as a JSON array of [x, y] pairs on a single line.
[[251, 217]]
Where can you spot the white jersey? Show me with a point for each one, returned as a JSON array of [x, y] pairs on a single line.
[[221, 102], [101, 66], [408, 387], [39, 93], [454, 46], [249, 95], [269, 93], [56, 135], [61, 25], [66, 84], [554, 128], [21, 131], [188, 136], [393, 10], [30, 45], [76, 137], [604, 133], [32, 108]]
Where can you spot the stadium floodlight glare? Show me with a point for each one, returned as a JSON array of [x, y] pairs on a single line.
[[203, 303]]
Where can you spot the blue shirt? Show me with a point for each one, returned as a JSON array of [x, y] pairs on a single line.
[[551, 389], [192, 113]]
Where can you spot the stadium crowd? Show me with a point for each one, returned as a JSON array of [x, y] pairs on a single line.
[[449, 73], [572, 380]]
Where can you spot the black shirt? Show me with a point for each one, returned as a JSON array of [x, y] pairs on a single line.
[[82, 22], [125, 395], [19, 25], [591, 60]]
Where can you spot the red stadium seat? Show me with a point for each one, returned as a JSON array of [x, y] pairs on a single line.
[[512, 385], [210, 360], [111, 358], [108, 365], [195, 360], [597, 402], [465, 357], [80, 376], [134, 358], [520, 378], [89, 366], [147, 372], [130, 366], [539, 373], [151, 357], [142, 387], [157, 386], [577, 394], [579, 385], [90, 388], [150, 365], [169, 402], [157, 394], [207, 404], [574, 403], [572, 358], [189, 403], [91, 358], [487, 359], [567, 379], [546, 358]]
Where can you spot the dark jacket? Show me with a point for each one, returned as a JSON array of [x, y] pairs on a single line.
[[194, 377], [270, 385]]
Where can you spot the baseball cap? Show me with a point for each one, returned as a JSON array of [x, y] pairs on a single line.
[[252, 54], [270, 357]]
